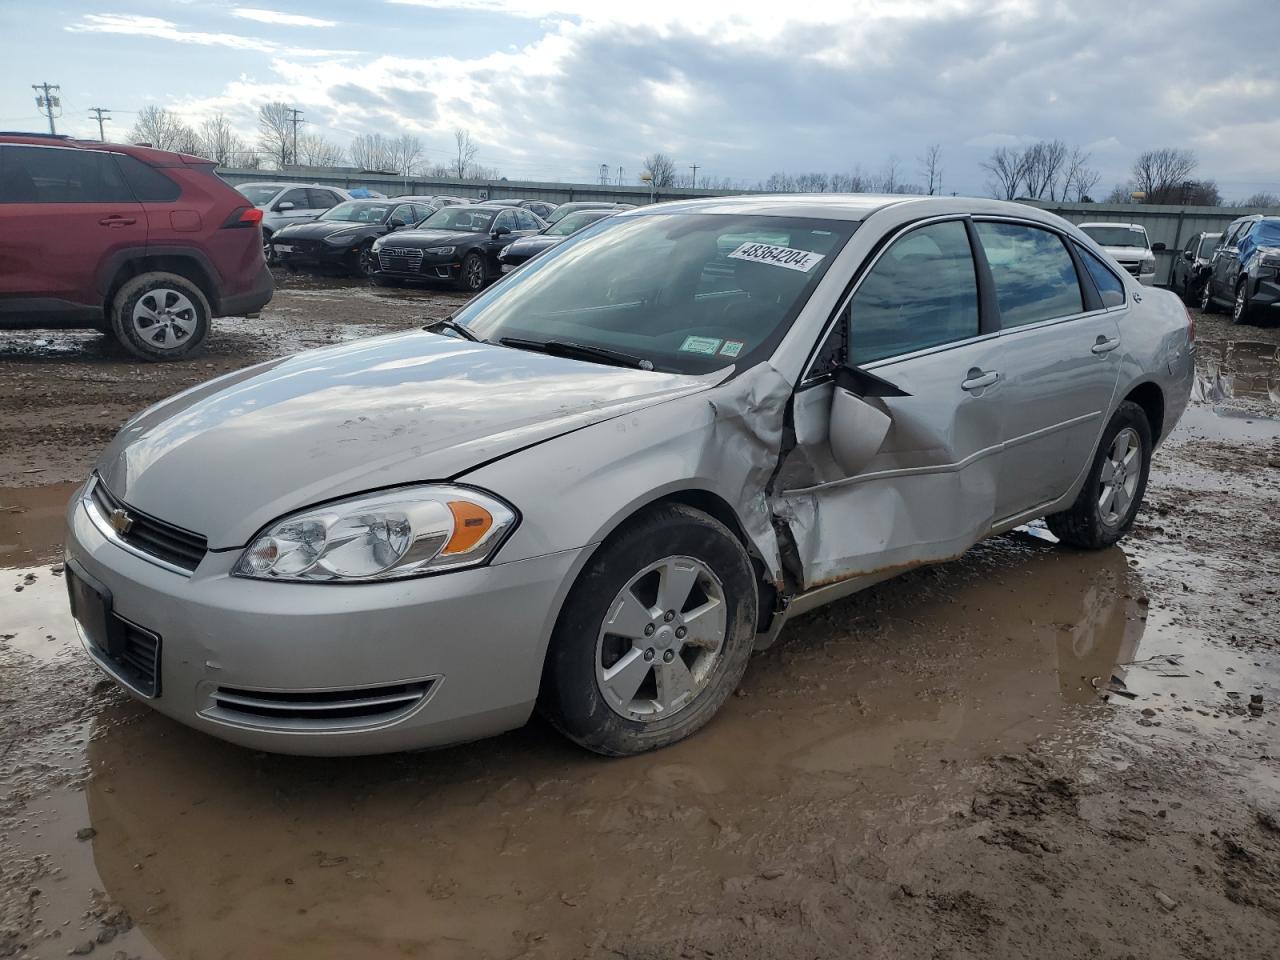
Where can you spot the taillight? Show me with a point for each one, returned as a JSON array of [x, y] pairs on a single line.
[[243, 217]]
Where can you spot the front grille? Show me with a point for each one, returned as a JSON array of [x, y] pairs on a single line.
[[151, 536], [325, 709], [400, 259]]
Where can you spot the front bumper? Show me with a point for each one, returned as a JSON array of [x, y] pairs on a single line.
[[471, 643], [427, 268], [1266, 292], [315, 253]]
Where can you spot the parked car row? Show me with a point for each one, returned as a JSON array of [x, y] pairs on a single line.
[[1243, 273]]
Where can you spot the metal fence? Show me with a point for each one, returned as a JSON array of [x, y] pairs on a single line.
[[1173, 226]]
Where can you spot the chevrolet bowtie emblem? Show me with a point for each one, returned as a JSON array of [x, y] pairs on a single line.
[[120, 522]]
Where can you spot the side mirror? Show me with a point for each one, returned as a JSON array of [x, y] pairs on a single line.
[[284, 205], [501, 231], [1157, 247], [1188, 255], [857, 429]]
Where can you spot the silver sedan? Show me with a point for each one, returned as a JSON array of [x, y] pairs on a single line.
[[608, 479]]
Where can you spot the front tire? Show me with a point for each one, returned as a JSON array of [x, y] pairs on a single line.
[[160, 316], [1206, 297], [1113, 491], [654, 636], [268, 251], [366, 263], [473, 275]]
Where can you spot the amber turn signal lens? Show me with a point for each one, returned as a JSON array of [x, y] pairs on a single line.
[[470, 524]]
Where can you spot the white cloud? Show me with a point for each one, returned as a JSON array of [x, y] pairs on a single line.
[[275, 16], [139, 26]]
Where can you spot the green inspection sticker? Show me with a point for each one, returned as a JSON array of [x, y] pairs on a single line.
[[707, 345], [731, 348]]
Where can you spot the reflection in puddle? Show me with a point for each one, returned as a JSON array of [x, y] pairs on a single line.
[[34, 617], [863, 713], [1238, 370]]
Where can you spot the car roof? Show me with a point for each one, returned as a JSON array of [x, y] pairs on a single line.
[[848, 206], [1111, 223]]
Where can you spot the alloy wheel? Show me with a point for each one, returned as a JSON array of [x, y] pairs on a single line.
[[164, 318], [366, 261], [662, 639], [1237, 309], [475, 273], [1121, 471]]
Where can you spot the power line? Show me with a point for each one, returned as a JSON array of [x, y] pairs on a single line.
[[98, 112], [47, 102]]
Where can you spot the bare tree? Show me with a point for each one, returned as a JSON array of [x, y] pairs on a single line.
[[662, 168], [316, 150], [1260, 200], [218, 142], [889, 177], [374, 153], [931, 168], [1161, 174], [1042, 164], [406, 151], [1079, 179], [275, 132], [464, 158], [1120, 193], [163, 129], [1005, 166]]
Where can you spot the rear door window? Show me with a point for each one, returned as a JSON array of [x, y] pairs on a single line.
[[59, 175], [1110, 287], [321, 199], [297, 197], [1034, 275], [923, 292]]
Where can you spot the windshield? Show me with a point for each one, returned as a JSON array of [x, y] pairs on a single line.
[[1267, 233], [562, 211], [688, 292], [575, 222], [1118, 236], [465, 219], [1207, 243], [357, 212], [258, 195]]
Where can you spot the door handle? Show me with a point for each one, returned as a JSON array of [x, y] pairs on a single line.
[[1105, 344], [977, 379], [117, 221]]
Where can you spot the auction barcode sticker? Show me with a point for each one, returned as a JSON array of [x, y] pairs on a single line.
[[802, 260]]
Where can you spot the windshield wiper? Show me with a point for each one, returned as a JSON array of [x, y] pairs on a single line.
[[579, 351], [450, 324]]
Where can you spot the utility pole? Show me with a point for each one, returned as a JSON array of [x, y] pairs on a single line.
[[694, 184], [47, 102], [98, 112], [295, 117], [619, 176]]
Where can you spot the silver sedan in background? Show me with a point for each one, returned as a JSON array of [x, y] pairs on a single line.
[[606, 480]]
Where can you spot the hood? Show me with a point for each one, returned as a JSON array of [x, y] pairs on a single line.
[[320, 229], [227, 457], [433, 238], [1129, 254], [528, 246]]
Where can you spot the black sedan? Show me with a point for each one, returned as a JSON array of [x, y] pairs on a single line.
[[343, 236], [458, 244], [520, 251], [565, 209]]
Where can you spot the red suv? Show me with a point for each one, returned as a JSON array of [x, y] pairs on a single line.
[[146, 244]]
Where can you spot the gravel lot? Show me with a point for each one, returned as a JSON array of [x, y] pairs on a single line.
[[1026, 752]]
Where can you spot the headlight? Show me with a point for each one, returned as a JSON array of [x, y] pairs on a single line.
[[503, 252], [1270, 256], [341, 240], [384, 536], [1149, 265], [440, 251], [377, 244]]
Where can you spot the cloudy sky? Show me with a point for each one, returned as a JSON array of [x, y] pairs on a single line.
[[551, 89]]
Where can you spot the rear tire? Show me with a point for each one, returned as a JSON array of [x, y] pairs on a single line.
[[1241, 311], [681, 670], [1095, 521], [1206, 297], [160, 316]]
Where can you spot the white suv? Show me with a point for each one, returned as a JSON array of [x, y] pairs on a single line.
[[285, 203], [1128, 245]]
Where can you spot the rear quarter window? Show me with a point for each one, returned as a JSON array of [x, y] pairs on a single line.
[[148, 184]]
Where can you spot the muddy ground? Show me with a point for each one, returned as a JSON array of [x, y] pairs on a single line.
[[1027, 752]]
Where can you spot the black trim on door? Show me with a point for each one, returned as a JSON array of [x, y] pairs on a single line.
[[989, 319]]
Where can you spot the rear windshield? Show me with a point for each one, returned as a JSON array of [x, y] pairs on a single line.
[[687, 292], [1118, 236]]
